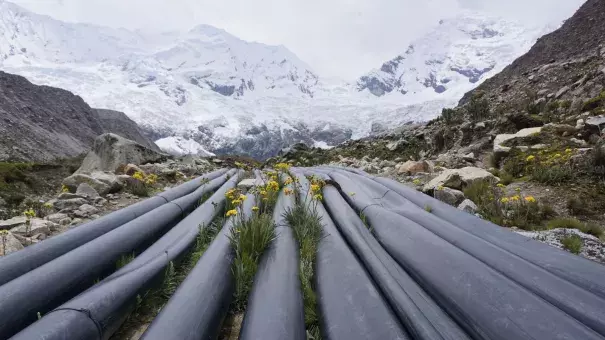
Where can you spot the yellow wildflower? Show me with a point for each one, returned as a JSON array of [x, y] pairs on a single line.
[[568, 150], [232, 212], [282, 166], [242, 197], [530, 158], [515, 198], [29, 213], [500, 185], [263, 193], [255, 209], [3, 232], [315, 187], [518, 189], [557, 155], [288, 181], [440, 187], [318, 197], [530, 199], [273, 186], [64, 188], [48, 205], [417, 181], [288, 191], [139, 176], [504, 200], [236, 202]]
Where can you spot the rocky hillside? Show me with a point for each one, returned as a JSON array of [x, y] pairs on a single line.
[[42, 123], [525, 150]]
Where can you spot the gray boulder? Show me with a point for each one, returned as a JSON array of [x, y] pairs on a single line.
[[85, 211], [468, 206], [13, 222], [58, 218], [68, 195], [87, 191], [459, 178], [9, 244], [69, 204], [110, 151], [37, 226], [449, 196]]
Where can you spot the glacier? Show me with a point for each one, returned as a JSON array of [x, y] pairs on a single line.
[[208, 91]]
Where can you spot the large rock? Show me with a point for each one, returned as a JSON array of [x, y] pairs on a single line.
[[102, 182], [501, 139], [85, 210], [13, 222], [450, 196], [72, 203], [37, 226], [9, 244], [87, 191], [468, 206], [460, 178], [59, 218], [413, 167], [110, 151]]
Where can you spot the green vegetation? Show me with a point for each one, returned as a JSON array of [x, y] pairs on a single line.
[[572, 223], [449, 116], [307, 227], [594, 103], [428, 208], [514, 211], [249, 239], [551, 166], [572, 243], [124, 260], [478, 107], [578, 207]]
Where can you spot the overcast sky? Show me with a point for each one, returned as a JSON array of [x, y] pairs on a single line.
[[340, 38]]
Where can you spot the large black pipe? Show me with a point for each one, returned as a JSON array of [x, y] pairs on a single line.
[[582, 304], [582, 272], [98, 312], [421, 316], [198, 307], [479, 297], [350, 306], [49, 285], [275, 307], [27, 259]]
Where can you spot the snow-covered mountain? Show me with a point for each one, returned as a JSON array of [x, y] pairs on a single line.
[[207, 90], [459, 54]]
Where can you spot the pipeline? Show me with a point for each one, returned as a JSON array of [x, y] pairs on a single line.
[[198, 307], [351, 307], [32, 257], [57, 281], [275, 306]]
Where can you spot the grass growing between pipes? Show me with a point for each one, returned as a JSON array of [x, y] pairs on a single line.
[[151, 302], [249, 239], [307, 228]]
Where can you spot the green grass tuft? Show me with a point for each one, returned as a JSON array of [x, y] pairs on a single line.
[[572, 243], [124, 260], [249, 240], [572, 223], [307, 227]]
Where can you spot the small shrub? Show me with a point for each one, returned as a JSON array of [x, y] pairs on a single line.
[[506, 178], [572, 243], [449, 115], [568, 223], [594, 103], [566, 104], [577, 207], [553, 106], [478, 107], [428, 208], [552, 175]]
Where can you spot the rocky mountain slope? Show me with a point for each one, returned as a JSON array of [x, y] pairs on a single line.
[[41, 123], [213, 91], [524, 150]]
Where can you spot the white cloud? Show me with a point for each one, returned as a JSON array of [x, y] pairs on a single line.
[[343, 38]]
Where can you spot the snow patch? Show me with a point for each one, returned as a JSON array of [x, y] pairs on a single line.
[[181, 146]]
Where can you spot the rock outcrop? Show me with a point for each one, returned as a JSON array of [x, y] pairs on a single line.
[[110, 151], [42, 123]]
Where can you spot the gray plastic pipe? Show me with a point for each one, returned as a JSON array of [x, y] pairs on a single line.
[[275, 306], [198, 307], [27, 259], [55, 282], [99, 311]]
